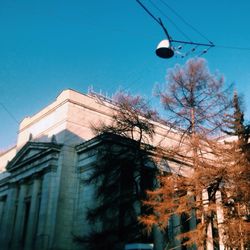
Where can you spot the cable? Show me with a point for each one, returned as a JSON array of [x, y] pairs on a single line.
[[184, 21], [147, 11], [232, 47], [204, 51], [211, 44], [198, 32], [10, 114], [185, 35]]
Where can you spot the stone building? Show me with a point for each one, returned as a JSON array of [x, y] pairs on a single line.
[[42, 198]]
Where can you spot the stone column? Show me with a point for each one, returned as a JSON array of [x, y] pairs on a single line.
[[2, 203], [158, 238], [32, 222], [192, 221], [220, 219], [8, 219], [192, 226], [47, 213], [177, 230], [209, 240], [18, 228]]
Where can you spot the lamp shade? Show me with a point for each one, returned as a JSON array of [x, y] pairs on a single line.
[[164, 49]]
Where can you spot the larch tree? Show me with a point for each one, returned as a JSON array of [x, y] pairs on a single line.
[[235, 123], [123, 172], [195, 102], [236, 223]]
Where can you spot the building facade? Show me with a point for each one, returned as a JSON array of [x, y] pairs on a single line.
[[43, 198]]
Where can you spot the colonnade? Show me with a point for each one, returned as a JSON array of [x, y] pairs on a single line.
[[27, 213]]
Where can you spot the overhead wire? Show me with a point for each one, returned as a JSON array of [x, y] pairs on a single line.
[[196, 30], [9, 113], [170, 20], [189, 40], [204, 51], [184, 21], [233, 47]]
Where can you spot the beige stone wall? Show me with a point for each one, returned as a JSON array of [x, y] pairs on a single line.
[[51, 120], [71, 111], [5, 157], [69, 118]]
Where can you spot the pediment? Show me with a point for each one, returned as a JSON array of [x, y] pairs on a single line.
[[30, 152]]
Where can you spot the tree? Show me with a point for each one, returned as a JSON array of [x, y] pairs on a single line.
[[196, 102], [121, 175], [235, 123], [236, 224]]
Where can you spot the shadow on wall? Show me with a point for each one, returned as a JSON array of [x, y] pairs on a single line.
[[65, 137]]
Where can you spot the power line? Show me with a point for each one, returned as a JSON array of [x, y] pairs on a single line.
[[232, 47], [171, 21], [9, 113], [184, 21], [197, 31], [211, 44], [164, 49]]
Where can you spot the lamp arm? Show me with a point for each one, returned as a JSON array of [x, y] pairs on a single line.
[[193, 43], [165, 30]]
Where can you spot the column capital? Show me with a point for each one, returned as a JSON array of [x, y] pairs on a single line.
[[50, 168], [22, 181], [36, 176], [12, 185]]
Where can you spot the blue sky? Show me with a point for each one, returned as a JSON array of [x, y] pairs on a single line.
[[47, 46]]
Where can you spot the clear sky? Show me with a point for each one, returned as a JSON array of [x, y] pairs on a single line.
[[50, 45]]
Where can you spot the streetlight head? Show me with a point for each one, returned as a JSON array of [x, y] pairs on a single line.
[[164, 49]]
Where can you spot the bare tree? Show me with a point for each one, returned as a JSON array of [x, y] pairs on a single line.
[[123, 172], [196, 102], [132, 118]]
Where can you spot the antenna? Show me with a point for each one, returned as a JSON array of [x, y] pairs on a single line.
[[165, 48]]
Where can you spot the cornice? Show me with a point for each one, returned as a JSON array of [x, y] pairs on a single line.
[[44, 148]]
